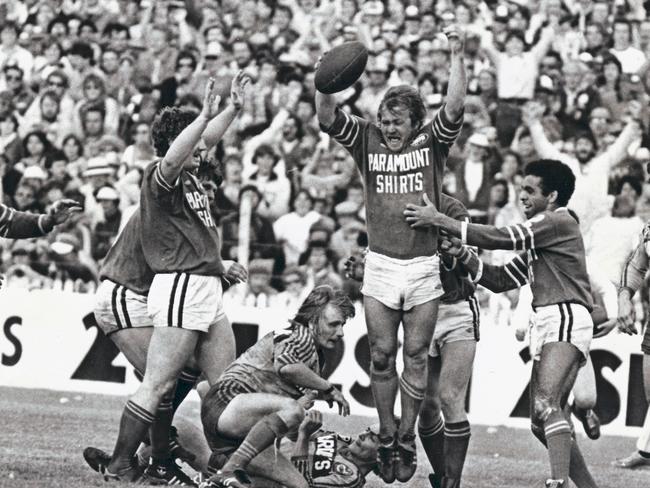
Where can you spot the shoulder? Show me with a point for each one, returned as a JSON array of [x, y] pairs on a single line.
[[453, 208]]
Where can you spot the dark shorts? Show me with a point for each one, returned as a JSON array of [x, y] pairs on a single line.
[[214, 404], [645, 344]]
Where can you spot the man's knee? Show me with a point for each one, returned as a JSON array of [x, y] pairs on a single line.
[[158, 386], [543, 408], [429, 410], [292, 414], [382, 361], [416, 358]]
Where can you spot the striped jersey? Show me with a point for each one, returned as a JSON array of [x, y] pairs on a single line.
[[178, 233], [455, 281], [15, 224], [258, 369], [394, 179], [325, 466], [552, 258], [125, 263], [636, 266]]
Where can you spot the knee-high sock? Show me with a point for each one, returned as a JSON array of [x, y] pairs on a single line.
[[159, 430], [558, 438], [384, 390], [261, 436], [184, 384], [133, 426], [411, 397], [457, 436], [433, 441]]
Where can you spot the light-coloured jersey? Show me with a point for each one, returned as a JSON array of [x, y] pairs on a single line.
[[394, 179]]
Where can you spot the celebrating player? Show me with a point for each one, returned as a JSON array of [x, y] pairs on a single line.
[[552, 259], [632, 278], [180, 244], [256, 400], [399, 159], [451, 356]]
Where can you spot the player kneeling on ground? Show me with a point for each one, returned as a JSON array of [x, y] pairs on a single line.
[[256, 400], [552, 259]]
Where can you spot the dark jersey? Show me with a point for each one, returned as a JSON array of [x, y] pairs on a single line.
[[394, 179], [325, 466], [125, 263], [178, 232], [15, 224], [455, 280], [552, 259]]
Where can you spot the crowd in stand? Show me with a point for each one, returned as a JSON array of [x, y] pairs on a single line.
[[82, 80]]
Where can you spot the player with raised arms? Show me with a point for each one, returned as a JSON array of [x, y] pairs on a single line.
[[178, 247], [552, 260], [398, 159]]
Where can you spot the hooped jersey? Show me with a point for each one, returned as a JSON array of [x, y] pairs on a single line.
[[394, 179], [324, 466], [455, 281], [178, 232], [125, 263], [552, 259]]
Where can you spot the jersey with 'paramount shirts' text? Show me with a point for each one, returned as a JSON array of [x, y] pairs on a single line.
[[552, 261], [394, 179], [178, 233], [125, 263], [455, 282]]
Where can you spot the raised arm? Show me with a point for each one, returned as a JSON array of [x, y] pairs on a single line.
[[540, 49], [457, 87], [182, 147], [325, 109], [618, 150], [218, 126]]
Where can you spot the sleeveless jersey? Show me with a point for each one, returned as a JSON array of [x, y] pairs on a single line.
[[324, 466], [125, 263], [455, 282], [394, 179], [178, 233]]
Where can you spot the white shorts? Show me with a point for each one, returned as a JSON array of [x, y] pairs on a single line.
[[401, 284], [456, 322], [186, 301], [117, 308], [562, 322]]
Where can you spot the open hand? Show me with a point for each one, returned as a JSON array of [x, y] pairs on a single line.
[[235, 272], [211, 101], [455, 38], [61, 210], [238, 89], [337, 397], [422, 216], [312, 422], [626, 318], [605, 328], [354, 268]]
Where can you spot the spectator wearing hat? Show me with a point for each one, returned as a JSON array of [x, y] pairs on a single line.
[[10, 50], [473, 176], [262, 239], [11, 145], [98, 173], [34, 176], [517, 71], [69, 269], [106, 230], [318, 262], [292, 229], [259, 292]]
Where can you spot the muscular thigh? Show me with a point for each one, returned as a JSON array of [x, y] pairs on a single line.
[[134, 344], [457, 362], [169, 351], [419, 324], [216, 349], [246, 409], [382, 323], [557, 370]]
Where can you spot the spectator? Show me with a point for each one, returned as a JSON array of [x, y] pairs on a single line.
[[158, 61], [141, 152], [57, 81], [631, 58], [106, 230], [319, 262], [10, 144], [37, 150], [73, 152], [292, 229], [259, 292], [14, 82], [294, 281], [10, 50], [181, 83], [94, 95], [344, 240], [274, 187]]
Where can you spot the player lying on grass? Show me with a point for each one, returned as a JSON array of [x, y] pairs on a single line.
[[123, 306], [257, 399], [552, 259], [632, 278], [398, 159], [451, 358]]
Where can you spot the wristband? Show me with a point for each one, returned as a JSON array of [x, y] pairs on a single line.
[[329, 390], [463, 233]]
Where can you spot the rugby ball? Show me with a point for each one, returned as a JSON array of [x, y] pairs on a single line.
[[341, 67]]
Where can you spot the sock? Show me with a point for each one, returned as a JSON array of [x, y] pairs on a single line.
[[411, 397], [433, 441], [261, 436], [644, 454], [159, 430], [184, 384], [384, 390], [457, 436], [133, 426], [558, 437], [579, 472], [538, 431]]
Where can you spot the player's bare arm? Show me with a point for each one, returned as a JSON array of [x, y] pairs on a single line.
[[299, 374], [218, 126], [312, 422], [325, 109], [182, 147], [457, 76]]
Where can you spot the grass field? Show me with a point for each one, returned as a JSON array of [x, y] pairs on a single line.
[[42, 438]]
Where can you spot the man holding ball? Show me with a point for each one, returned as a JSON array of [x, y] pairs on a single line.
[[399, 158]]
